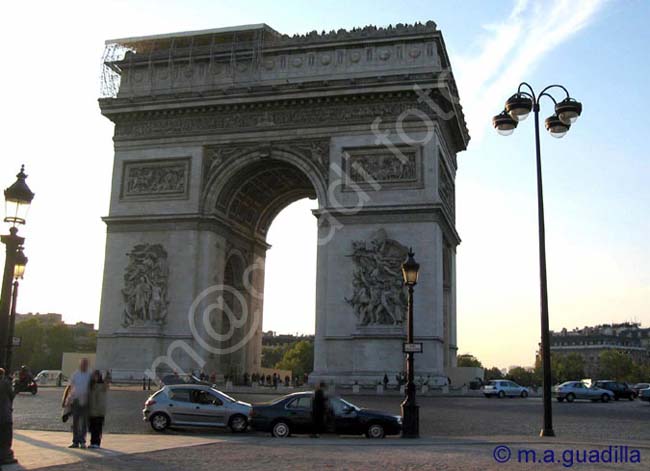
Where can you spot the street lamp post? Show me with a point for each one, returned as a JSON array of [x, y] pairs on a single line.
[[18, 197], [410, 409], [567, 111], [19, 272]]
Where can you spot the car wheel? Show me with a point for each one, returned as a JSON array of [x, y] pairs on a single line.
[[238, 423], [524, 394], [159, 421], [502, 394], [570, 397], [605, 397], [281, 430], [375, 431]]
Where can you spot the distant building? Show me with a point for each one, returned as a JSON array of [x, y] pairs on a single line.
[[46, 318], [590, 342]]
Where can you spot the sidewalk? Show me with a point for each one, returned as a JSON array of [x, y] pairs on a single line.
[[36, 449]]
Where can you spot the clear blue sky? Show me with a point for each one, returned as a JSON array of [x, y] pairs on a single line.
[[597, 191]]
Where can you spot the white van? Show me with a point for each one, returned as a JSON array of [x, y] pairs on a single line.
[[51, 378]]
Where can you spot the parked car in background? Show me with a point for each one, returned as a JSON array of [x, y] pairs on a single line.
[[638, 387], [572, 390], [292, 414], [620, 390], [503, 387], [194, 405], [51, 378], [644, 394]]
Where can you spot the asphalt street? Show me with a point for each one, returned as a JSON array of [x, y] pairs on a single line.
[[439, 416]]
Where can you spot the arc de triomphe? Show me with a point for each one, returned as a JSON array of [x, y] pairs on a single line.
[[216, 132]]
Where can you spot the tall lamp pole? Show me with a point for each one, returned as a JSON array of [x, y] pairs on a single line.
[[410, 409], [19, 272], [18, 197], [567, 111]]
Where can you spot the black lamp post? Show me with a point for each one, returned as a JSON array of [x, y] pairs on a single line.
[[410, 409], [19, 272], [567, 111], [18, 197]]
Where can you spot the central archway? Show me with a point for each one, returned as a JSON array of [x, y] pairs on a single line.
[[246, 193]]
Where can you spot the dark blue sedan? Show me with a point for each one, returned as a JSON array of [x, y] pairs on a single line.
[[292, 414]]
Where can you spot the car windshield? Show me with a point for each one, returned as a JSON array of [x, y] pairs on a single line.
[[224, 395], [349, 404]]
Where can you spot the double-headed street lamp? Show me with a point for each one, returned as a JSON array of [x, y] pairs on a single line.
[[18, 197], [410, 410], [567, 111]]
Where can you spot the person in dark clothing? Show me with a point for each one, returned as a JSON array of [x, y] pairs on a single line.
[[6, 419], [385, 381], [318, 409]]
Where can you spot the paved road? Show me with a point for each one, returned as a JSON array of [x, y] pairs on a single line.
[[439, 416]]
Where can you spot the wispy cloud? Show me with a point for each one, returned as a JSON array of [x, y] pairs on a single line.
[[510, 49]]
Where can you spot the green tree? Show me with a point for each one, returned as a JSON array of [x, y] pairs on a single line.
[[299, 358], [493, 373], [32, 337], [468, 360], [271, 355], [617, 365], [521, 376], [569, 367]]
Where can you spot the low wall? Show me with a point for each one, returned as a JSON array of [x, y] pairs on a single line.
[[463, 375]]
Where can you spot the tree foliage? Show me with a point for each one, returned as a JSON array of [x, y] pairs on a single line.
[[617, 365], [43, 344], [467, 360], [299, 358], [493, 373], [522, 376]]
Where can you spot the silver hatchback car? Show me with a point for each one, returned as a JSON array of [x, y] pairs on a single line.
[[195, 405]]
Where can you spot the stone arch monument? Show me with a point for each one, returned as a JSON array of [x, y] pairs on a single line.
[[216, 132]]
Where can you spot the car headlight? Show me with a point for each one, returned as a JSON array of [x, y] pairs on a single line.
[[399, 419]]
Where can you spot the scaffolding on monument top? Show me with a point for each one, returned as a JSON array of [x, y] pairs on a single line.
[[234, 46]]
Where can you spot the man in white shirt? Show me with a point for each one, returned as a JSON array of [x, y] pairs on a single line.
[[78, 399]]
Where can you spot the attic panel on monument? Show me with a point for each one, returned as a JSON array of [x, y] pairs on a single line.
[[202, 61]]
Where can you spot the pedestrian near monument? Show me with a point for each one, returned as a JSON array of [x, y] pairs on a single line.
[[6, 419], [318, 406], [76, 397], [97, 408]]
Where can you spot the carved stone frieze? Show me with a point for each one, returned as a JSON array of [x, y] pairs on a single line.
[[332, 113], [145, 286], [379, 297], [381, 165], [160, 179]]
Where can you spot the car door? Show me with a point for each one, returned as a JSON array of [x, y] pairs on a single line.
[[513, 389], [208, 408], [578, 390], [346, 420], [181, 408], [298, 412]]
